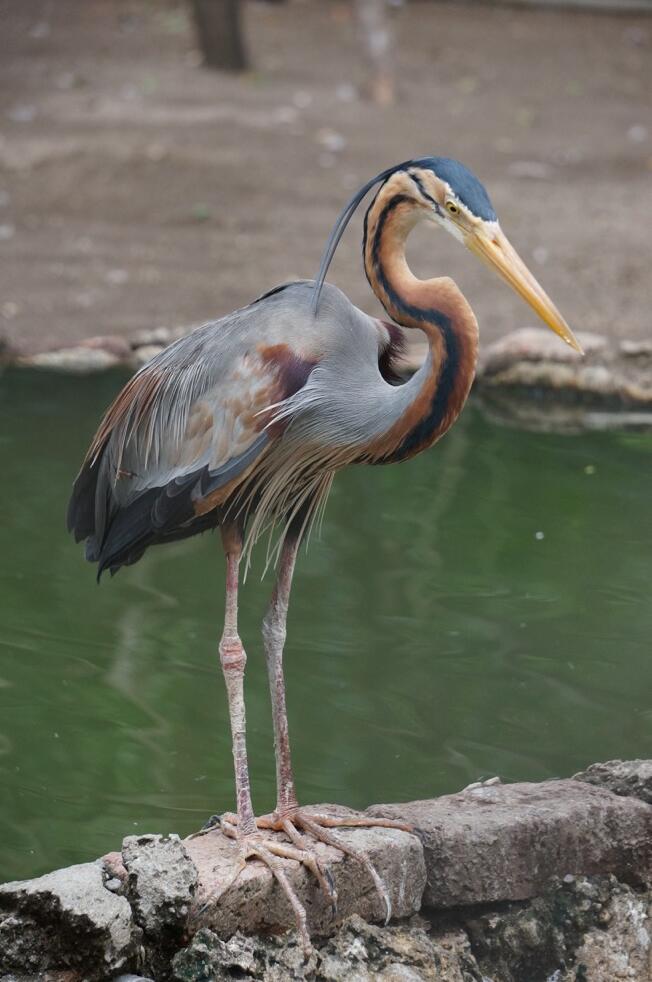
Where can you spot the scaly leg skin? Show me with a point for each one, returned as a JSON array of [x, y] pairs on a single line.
[[244, 828], [288, 817]]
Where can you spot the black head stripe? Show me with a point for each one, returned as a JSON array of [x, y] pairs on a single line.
[[420, 185]]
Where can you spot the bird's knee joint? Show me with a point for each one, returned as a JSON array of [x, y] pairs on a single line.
[[232, 655]]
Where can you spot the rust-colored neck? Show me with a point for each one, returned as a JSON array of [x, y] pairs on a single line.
[[437, 307]]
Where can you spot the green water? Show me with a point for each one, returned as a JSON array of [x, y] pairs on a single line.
[[483, 609]]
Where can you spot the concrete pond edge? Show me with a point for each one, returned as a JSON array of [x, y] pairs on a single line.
[[504, 883]]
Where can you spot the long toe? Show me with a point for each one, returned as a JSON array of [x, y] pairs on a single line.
[[267, 851], [270, 851], [316, 829], [309, 858]]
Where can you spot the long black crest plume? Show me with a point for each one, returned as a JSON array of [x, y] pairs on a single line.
[[343, 220]]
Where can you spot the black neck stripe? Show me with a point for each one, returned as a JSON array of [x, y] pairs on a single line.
[[451, 366]]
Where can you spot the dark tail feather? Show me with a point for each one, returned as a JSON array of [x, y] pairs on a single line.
[[80, 516], [127, 535], [156, 516], [118, 534]]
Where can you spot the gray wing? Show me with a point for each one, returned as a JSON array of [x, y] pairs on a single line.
[[200, 416]]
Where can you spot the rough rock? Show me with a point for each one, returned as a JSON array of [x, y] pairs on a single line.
[[112, 343], [507, 899], [254, 902], [161, 880], [504, 842], [160, 884], [359, 952], [159, 336], [55, 976], [624, 949], [581, 930], [537, 345], [65, 920], [625, 777], [507, 407]]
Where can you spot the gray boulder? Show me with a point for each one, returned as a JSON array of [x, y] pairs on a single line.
[[505, 841], [66, 920]]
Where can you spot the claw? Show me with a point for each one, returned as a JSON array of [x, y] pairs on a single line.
[[213, 822], [331, 884]]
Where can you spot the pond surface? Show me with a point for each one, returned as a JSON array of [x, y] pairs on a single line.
[[483, 609]]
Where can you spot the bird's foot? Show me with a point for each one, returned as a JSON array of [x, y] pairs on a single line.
[[294, 821], [296, 824], [269, 850], [255, 845]]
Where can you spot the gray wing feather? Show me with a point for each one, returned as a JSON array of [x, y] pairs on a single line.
[[189, 422]]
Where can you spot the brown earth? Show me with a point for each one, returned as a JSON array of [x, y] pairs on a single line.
[[138, 189]]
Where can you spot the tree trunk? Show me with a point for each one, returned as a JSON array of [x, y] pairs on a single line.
[[220, 34], [376, 36]]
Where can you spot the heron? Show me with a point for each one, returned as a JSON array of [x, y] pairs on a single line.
[[242, 425]]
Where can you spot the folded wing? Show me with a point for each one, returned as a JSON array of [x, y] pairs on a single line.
[[179, 439]]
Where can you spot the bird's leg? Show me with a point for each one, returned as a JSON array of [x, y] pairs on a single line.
[[288, 818], [244, 828], [274, 632], [233, 660]]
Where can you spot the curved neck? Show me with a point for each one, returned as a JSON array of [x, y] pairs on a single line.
[[437, 307]]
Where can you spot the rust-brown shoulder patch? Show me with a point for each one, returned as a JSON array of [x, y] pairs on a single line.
[[291, 372], [291, 368]]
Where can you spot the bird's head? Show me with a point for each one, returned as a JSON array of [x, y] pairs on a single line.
[[448, 194]]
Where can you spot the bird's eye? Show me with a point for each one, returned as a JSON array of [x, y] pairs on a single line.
[[452, 208]]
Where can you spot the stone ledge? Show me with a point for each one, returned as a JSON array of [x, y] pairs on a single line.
[[139, 910], [584, 930]]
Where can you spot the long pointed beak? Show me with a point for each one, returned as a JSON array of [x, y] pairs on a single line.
[[494, 248]]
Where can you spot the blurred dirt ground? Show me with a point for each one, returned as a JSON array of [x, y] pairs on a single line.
[[138, 189]]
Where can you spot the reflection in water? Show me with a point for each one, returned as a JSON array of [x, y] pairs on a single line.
[[482, 609]]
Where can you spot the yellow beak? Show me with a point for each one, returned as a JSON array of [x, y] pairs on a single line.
[[494, 248]]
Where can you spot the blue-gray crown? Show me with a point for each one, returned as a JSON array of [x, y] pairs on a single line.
[[465, 184]]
